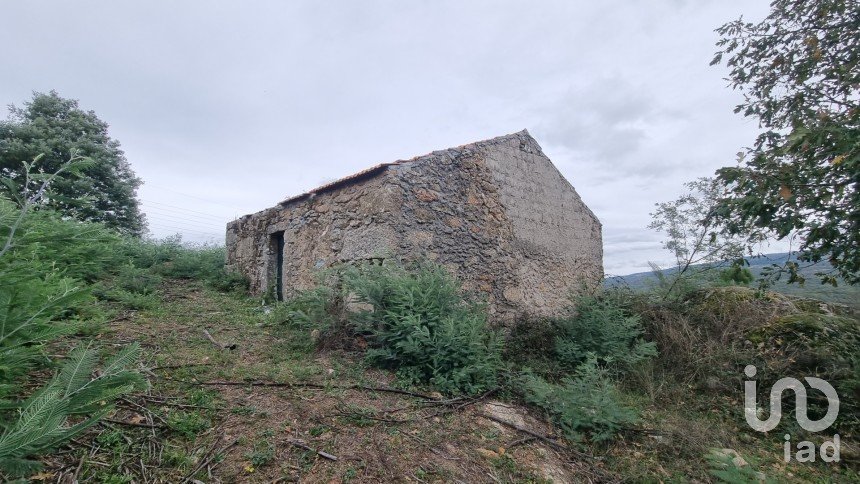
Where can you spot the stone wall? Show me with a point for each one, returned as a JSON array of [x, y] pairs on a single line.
[[500, 216], [556, 237], [351, 223], [452, 215], [497, 214]]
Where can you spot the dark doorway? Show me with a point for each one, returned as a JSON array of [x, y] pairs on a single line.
[[278, 249]]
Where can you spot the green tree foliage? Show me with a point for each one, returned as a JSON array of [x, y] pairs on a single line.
[[422, 326], [736, 275], [58, 129], [798, 70], [694, 236], [40, 293], [43, 421]]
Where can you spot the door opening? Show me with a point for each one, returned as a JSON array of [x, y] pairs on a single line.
[[278, 248]]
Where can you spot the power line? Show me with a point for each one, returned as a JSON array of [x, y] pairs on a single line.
[[184, 209], [184, 217], [184, 229], [189, 196], [201, 223]]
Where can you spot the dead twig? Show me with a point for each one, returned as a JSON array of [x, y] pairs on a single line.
[[522, 441], [78, 469], [173, 367], [145, 410], [541, 437], [207, 458], [134, 424], [224, 346], [301, 444], [307, 385]]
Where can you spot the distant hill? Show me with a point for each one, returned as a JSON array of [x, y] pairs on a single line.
[[843, 294]]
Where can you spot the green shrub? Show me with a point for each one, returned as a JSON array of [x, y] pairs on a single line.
[[815, 344], [225, 281], [604, 328], [29, 313], [137, 280], [126, 299], [44, 262], [148, 253], [169, 257], [315, 308], [736, 275], [586, 403], [315, 318], [724, 466], [420, 325], [80, 250], [530, 343]]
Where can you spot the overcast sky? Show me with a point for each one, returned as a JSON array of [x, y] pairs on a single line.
[[225, 108]]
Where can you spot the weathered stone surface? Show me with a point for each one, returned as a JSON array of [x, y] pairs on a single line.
[[497, 214]]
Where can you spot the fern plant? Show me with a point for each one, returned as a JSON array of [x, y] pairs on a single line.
[[725, 467]]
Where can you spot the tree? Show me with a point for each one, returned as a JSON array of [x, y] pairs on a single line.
[[799, 74], [694, 236], [56, 128]]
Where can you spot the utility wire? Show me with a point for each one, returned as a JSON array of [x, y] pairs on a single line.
[[183, 229], [155, 216], [183, 209], [189, 196]]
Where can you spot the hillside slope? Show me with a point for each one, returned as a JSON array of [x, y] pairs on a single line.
[[842, 294]]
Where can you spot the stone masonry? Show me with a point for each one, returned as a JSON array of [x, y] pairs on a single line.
[[497, 214]]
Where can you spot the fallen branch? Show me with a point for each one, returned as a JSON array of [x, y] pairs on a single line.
[[541, 437], [216, 343], [307, 385], [448, 406], [173, 367], [207, 459], [133, 424], [300, 444], [524, 440]]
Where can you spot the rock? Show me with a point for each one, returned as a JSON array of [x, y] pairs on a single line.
[[737, 460], [488, 454], [426, 195]]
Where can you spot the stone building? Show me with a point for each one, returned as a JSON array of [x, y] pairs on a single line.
[[497, 214]]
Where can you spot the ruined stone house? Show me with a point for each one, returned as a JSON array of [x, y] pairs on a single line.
[[497, 214]]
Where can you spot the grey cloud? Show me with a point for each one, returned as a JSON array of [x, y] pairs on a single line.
[[224, 108]]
